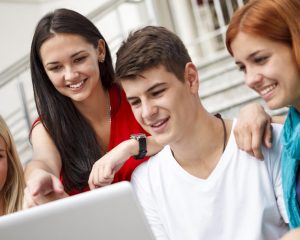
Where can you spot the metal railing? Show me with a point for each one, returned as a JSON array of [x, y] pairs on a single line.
[[15, 83], [206, 21], [211, 18]]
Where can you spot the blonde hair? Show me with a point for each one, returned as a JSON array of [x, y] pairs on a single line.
[[13, 189]]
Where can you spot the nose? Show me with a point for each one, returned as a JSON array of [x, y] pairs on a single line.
[[149, 109], [70, 73], [253, 78]]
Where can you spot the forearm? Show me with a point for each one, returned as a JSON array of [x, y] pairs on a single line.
[[104, 169], [130, 147], [35, 164]]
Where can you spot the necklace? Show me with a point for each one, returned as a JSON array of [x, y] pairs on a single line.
[[104, 136], [218, 115], [108, 107]]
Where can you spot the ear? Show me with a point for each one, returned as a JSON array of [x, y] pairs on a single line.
[[191, 77], [101, 50]]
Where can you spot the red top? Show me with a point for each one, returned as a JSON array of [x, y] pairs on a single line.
[[123, 124]]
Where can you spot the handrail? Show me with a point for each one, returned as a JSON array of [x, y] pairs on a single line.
[[14, 70], [19, 119], [21, 65], [25, 110], [105, 8]]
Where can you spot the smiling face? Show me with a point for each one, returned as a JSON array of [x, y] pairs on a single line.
[[270, 69], [71, 64], [3, 163], [160, 103]]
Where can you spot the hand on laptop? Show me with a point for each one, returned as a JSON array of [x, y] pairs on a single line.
[[43, 187]]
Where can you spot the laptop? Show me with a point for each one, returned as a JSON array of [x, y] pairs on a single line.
[[108, 213]]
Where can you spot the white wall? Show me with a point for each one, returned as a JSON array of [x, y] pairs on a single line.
[[18, 20], [16, 39]]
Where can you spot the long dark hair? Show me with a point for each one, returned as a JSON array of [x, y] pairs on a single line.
[[72, 134]]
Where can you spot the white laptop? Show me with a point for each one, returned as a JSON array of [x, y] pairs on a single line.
[[109, 213]]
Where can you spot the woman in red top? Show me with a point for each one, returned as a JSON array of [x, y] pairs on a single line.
[[83, 113]]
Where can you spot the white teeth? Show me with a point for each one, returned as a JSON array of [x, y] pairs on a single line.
[[158, 124], [267, 89], [77, 85]]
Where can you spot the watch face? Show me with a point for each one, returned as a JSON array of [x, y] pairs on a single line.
[[141, 138], [138, 136]]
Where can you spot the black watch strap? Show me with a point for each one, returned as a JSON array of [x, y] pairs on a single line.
[[141, 138]]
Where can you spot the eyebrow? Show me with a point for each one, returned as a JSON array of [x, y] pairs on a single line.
[[249, 57], [149, 89], [155, 86], [72, 56]]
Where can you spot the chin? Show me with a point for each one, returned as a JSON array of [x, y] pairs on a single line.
[[274, 106], [161, 140], [79, 98]]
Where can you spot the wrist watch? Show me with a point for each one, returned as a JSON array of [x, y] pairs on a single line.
[[141, 138]]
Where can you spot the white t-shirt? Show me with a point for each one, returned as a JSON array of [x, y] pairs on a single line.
[[241, 199]]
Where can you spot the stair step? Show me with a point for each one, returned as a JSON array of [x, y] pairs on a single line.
[[220, 83], [228, 98]]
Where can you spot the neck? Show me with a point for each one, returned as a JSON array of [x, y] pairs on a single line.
[[201, 146], [96, 107], [297, 107]]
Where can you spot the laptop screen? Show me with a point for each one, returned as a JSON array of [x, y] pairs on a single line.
[[109, 213]]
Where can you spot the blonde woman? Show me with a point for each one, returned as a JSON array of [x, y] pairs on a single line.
[[11, 173]]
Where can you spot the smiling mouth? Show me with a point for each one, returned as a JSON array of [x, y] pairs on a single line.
[[76, 85], [159, 123], [268, 89]]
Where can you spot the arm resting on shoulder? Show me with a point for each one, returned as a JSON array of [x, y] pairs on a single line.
[[254, 128]]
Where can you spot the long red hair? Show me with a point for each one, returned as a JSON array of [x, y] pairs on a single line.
[[277, 20]]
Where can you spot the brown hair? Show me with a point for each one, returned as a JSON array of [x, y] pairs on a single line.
[[150, 47], [277, 20]]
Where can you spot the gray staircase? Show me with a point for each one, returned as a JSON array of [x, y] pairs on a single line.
[[222, 88], [16, 95]]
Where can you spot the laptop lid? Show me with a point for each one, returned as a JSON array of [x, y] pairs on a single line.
[[109, 213]]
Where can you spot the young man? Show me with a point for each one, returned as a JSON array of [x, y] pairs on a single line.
[[200, 186]]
